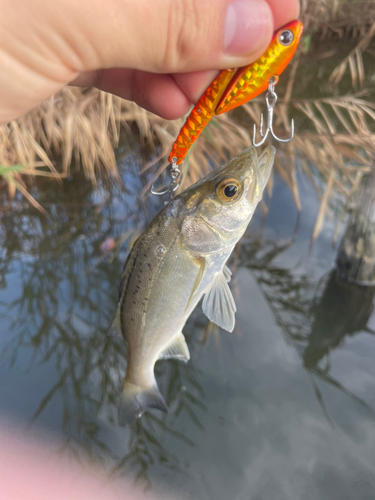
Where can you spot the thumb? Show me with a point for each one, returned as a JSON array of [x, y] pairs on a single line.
[[171, 36], [163, 36], [44, 45]]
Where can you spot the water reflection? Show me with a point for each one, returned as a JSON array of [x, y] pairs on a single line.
[[314, 317], [65, 300], [343, 309]]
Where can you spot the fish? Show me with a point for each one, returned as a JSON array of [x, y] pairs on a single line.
[[179, 258], [236, 86]]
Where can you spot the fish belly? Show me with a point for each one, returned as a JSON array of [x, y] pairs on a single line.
[[158, 279]]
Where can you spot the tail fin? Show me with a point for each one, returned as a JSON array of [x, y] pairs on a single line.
[[135, 400]]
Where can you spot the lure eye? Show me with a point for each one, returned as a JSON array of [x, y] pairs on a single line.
[[286, 37], [228, 190]]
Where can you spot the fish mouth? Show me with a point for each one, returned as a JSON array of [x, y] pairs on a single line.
[[262, 171], [243, 164], [253, 191]]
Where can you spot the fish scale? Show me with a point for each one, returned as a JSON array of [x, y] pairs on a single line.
[[142, 286]]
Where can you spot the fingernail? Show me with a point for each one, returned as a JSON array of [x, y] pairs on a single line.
[[247, 26]]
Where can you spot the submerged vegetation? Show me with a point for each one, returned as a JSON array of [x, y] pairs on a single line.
[[335, 125]]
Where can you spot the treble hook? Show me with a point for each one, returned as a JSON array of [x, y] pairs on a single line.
[[174, 183], [271, 99]]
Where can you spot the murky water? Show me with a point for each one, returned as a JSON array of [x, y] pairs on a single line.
[[282, 408]]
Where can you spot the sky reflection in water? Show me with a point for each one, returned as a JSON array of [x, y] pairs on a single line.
[[282, 408]]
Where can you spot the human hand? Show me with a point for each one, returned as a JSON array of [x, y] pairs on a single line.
[[32, 470], [162, 54]]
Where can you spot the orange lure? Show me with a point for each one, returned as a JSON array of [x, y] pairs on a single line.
[[234, 87]]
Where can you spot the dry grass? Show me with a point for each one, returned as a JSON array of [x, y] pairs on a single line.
[[336, 137], [338, 18], [75, 126]]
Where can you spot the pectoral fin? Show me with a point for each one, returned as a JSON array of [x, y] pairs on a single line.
[[218, 303], [227, 274], [198, 279], [177, 349]]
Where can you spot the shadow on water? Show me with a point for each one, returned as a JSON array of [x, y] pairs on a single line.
[[343, 309], [67, 300], [313, 317]]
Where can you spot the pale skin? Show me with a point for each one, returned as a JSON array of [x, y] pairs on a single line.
[[161, 54]]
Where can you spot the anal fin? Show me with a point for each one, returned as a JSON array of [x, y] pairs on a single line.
[[177, 349]]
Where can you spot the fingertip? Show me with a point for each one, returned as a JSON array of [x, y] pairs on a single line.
[[195, 83], [284, 12], [160, 94], [248, 27], [156, 93]]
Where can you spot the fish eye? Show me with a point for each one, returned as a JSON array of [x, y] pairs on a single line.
[[286, 37], [228, 190]]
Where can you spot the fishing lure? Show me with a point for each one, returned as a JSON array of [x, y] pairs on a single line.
[[234, 87]]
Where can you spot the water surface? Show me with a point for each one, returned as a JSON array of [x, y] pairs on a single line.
[[282, 408]]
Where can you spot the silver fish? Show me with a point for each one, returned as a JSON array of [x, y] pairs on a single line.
[[177, 260]]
